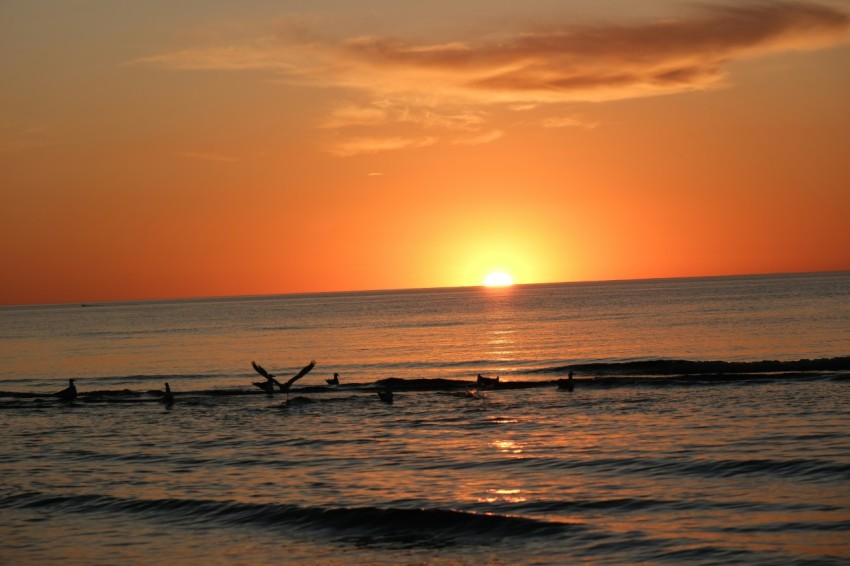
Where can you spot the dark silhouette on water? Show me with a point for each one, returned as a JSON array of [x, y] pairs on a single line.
[[386, 395], [270, 382], [334, 381], [69, 393], [566, 384], [487, 382], [168, 396]]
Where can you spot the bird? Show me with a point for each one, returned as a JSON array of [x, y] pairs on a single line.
[[168, 396], [334, 381], [69, 393], [487, 382], [270, 382], [386, 396], [566, 384]]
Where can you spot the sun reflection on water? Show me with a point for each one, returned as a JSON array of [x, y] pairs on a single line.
[[503, 495], [507, 446]]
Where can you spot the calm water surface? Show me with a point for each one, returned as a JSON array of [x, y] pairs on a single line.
[[750, 469]]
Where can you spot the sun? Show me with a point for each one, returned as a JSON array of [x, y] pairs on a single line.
[[498, 279]]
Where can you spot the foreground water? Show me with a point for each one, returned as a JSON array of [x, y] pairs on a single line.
[[643, 462]]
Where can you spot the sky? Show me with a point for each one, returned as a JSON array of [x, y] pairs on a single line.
[[192, 148]]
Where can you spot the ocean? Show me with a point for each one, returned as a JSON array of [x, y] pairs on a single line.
[[708, 423]]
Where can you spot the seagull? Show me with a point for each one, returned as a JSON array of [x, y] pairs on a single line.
[[487, 382], [268, 386], [69, 393], [334, 381], [168, 396], [566, 384], [386, 396]]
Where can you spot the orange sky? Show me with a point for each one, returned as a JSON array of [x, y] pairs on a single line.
[[148, 150]]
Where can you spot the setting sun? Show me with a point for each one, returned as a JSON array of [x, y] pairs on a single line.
[[498, 279]]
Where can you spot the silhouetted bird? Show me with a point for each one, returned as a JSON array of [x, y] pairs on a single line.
[[334, 381], [69, 393], [168, 396], [268, 386], [566, 384], [269, 383], [487, 382], [386, 396]]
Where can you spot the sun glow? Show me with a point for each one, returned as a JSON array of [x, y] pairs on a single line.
[[498, 279]]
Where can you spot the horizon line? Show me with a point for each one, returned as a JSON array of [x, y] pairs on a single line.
[[411, 289]]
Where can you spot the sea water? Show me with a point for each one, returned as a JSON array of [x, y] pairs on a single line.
[[646, 460]]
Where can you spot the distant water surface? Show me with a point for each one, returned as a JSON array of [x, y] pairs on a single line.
[[446, 333], [748, 466]]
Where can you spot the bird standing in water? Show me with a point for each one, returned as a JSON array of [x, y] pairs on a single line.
[[566, 384], [334, 381], [168, 396], [69, 393]]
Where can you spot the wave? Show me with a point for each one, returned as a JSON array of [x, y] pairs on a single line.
[[647, 373], [412, 526], [800, 469], [638, 504], [667, 367]]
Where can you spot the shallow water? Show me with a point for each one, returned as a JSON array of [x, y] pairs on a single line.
[[745, 468], [749, 472]]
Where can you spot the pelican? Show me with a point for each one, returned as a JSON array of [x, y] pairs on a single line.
[[334, 381], [386, 396], [487, 382], [268, 386], [69, 393], [168, 396]]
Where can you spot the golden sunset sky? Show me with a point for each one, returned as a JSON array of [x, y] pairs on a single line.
[[192, 148]]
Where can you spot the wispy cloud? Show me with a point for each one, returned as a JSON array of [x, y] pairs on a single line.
[[565, 63], [365, 145], [353, 115], [478, 139], [425, 113], [569, 122], [450, 85]]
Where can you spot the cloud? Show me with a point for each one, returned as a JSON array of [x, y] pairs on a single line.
[[568, 63], [485, 137], [352, 115], [450, 87], [425, 113], [569, 122], [366, 145], [557, 63]]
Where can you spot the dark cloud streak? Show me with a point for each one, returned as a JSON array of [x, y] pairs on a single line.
[[669, 54]]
